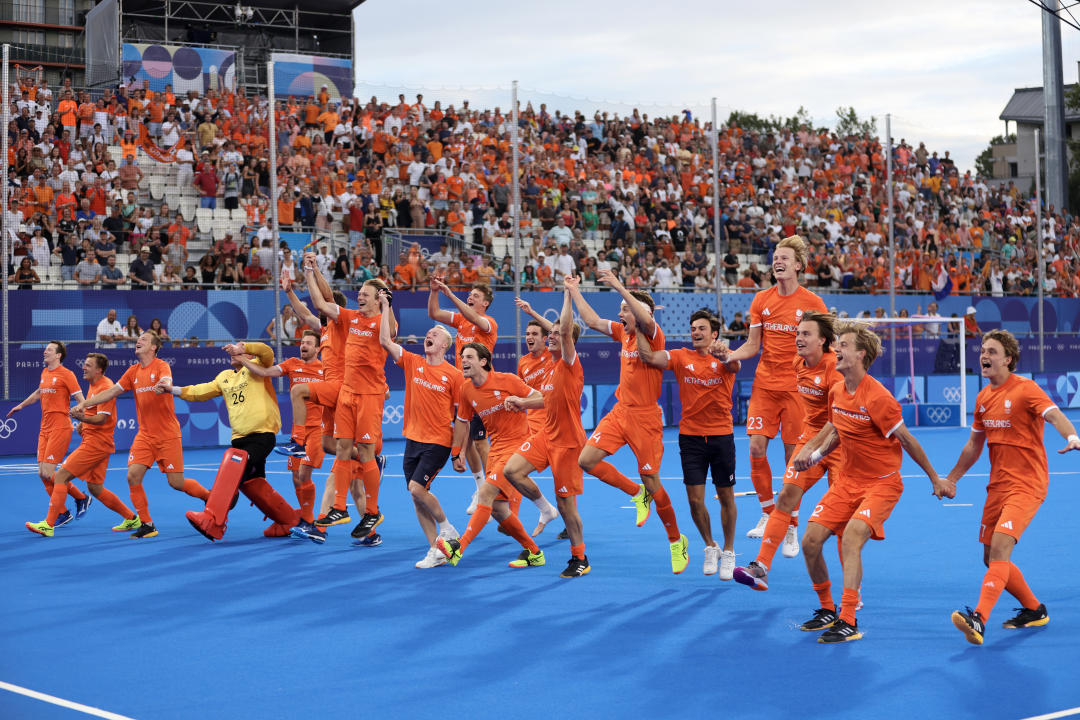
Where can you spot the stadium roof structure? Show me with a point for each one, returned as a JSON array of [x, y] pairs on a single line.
[[1028, 106]]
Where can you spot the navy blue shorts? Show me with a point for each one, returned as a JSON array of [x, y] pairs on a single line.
[[423, 461], [700, 454], [476, 428]]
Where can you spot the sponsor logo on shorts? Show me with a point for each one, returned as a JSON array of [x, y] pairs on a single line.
[[366, 436], [646, 466], [169, 467], [865, 513], [563, 489], [50, 458], [1007, 525]]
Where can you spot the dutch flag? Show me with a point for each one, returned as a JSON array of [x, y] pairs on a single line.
[[942, 283]]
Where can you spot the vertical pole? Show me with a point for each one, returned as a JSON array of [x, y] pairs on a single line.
[[5, 231], [272, 141], [515, 210], [1039, 249], [892, 247], [714, 140], [963, 372], [168, 11], [296, 27]]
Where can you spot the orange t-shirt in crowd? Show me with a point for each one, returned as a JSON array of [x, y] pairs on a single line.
[[300, 372], [507, 429], [562, 388], [56, 388], [431, 393], [365, 358], [533, 369], [778, 317], [705, 387], [639, 384], [813, 384], [866, 421], [69, 111], [156, 413], [100, 437], [1011, 416], [467, 333]]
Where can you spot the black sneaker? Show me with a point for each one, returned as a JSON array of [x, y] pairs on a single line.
[[576, 568], [1027, 618], [840, 632], [563, 535], [971, 623], [146, 530], [367, 524], [822, 619], [81, 506], [334, 517]]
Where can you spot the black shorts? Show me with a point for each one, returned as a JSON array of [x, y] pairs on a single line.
[[258, 446], [423, 461], [699, 454], [476, 428]]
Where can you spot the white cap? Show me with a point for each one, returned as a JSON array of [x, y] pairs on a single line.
[[970, 310]]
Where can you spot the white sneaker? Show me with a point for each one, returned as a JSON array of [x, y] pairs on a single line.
[[759, 530], [472, 503], [451, 534], [712, 557], [727, 564], [434, 558], [790, 547]]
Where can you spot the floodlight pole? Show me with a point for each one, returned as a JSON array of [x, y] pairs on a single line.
[[1039, 251], [5, 231], [892, 245], [515, 211], [274, 228], [714, 139]]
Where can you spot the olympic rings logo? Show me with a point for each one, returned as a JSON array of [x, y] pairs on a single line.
[[952, 393], [8, 428], [938, 415], [603, 354], [393, 413]]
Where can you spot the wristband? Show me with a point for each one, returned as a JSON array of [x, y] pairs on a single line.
[[815, 457], [455, 451], [1073, 438]]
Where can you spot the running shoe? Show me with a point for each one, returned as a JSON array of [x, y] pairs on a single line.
[[291, 449], [759, 530], [790, 547], [63, 518], [971, 623], [727, 564], [563, 535], [712, 559], [472, 503], [823, 618], [81, 506], [642, 501], [450, 548], [372, 540], [307, 531], [41, 528], [753, 576], [1026, 618], [576, 568], [128, 525], [433, 559], [528, 559], [367, 525], [334, 517], [145, 530], [680, 557], [840, 632]]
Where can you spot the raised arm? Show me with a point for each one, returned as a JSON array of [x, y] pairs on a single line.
[[300, 308], [433, 310], [941, 488], [642, 316], [329, 308], [588, 315], [525, 307], [324, 287], [386, 336], [258, 370], [467, 312], [566, 322]]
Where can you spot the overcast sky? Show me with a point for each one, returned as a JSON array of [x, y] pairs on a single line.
[[944, 70]]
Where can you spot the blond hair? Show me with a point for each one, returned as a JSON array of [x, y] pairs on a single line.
[[797, 245], [865, 340]]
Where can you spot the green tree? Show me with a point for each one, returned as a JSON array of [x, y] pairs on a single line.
[[849, 123], [984, 163]]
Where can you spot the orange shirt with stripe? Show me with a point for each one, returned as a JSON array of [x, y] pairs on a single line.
[[100, 437], [562, 388], [813, 384], [365, 358], [866, 421], [56, 388], [1011, 416], [300, 372], [156, 413], [431, 393], [467, 333], [639, 384], [533, 369], [778, 317], [705, 388], [506, 429]]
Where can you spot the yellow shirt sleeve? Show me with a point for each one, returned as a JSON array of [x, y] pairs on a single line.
[[202, 391]]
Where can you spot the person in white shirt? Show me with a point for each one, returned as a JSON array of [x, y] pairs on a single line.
[[663, 278], [564, 264], [560, 234], [109, 330], [325, 263]]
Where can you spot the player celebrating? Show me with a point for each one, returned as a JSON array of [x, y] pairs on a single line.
[[484, 393], [815, 369], [55, 391], [432, 387], [706, 435], [636, 419], [473, 324], [1009, 416], [158, 439], [865, 422], [774, 402], [90, 460], [535, 365], [255, 421]]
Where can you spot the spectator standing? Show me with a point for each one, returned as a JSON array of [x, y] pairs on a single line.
[[142, 270]]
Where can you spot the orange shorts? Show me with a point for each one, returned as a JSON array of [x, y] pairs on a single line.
[[806, 479], [641, 429], [88, 463], [562, 460], [869, 501], [359, 418], [772, 410], [1007, 511], [168, 453], [313, 450], [495, 463], [53, 442], [325, 393]]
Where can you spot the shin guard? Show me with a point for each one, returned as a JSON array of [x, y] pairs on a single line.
[[269, 503], [211, 521]]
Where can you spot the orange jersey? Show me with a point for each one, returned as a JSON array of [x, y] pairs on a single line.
[[100, 436], [507, 429], [431, 392], [364, 356], [467, 333], [56, 388], [705, 387], [562, 387], [639, 384], [813, 384], [332, 352], [300, 372], [1011, 416], [156, 413], [533, 370], [866, 421], [778, 317]]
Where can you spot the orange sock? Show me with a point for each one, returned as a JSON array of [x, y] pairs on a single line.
[[824, 593], [994, 583], [1018, 588], [761, 477], [142, 507], [342, 471], [369, 473], [516, 530], [848, 600], [109, 499], [477, 521], [305, 495], [48, 486], [578, 551], [662, 503], [195, 490], [775, 529], [75, 492], [606, 472], [57, 502]]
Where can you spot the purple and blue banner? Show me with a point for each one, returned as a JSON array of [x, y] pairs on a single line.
[[185, 68]]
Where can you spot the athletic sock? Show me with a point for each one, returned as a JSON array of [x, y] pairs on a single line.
[[578, 551], [795, 518], [444, 526], [75, 492], [544, 506], [142, 507], [57, 502], [516, 530], [195, 490], [606, 472], [848, 600], [305, 495], [824, 593], [110, 500], [477, 521], [1018, 588], [761, 477], [667, 513], [775, 529], [369, 474], [343, 474], [479, 479], [994, 583]]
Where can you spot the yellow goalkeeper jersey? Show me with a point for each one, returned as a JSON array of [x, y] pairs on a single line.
[[250, 400]]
